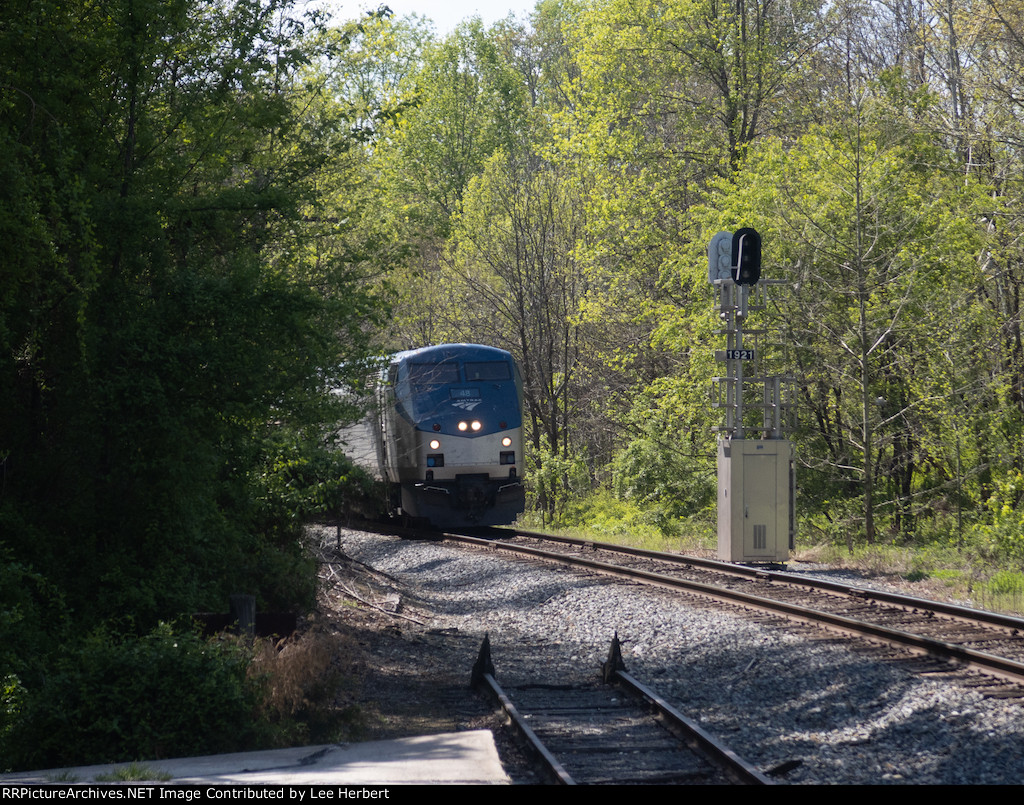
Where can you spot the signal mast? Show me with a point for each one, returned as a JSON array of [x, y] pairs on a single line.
[[756, 476]]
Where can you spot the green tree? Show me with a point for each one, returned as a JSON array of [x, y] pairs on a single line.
[[880, 243], [522, 288], [159, 320], [466, 101]]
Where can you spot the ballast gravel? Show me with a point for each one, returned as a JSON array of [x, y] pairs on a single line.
[[826, 709]]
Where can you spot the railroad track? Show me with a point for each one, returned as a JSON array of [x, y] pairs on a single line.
[[612, 732], [949, 636]]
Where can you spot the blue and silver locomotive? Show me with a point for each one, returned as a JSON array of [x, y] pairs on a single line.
[[450, 435]]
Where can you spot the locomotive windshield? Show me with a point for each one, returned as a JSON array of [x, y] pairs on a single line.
[[428, 375], [488, 370], [424, 376], [445, 389]]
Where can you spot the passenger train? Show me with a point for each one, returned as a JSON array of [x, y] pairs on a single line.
[[449, 436]]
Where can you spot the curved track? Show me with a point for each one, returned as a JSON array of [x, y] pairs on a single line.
[[953, 636]]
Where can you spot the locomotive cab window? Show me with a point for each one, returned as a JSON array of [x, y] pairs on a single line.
[[426, 375], [488, 370]]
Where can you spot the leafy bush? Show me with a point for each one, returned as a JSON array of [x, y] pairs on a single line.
[[653, 470], [307, 480], [1006, 582], [117, 698], [12, 701], [32, 614], [555, 480], [830, 520], [605, 515], [1003, 538]]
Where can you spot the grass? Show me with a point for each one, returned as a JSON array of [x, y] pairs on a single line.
[[1003, 592], [133, 773], [605, 518], [943, 572], [62, 777], [307, 684]]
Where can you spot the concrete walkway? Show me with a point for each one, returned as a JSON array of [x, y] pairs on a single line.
[[467, 758]]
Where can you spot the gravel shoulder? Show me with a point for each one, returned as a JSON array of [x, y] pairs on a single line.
[[412, 615]]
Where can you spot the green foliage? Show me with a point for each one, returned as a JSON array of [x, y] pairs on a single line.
[[32, 612], [117, 698], [1003, 537], [178, 295], [555, 479], [876, 237], [12, 704], [185, 278], [669, 461], [469, 104], [306, 481], [1006, 582], [604, 516], [610, 517], [947, 575], [700, 79], [657, 469]]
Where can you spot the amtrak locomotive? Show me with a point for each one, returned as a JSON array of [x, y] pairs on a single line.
[[450, 435]]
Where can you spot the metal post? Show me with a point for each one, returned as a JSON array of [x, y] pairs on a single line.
[[777, 407], [740, 313]]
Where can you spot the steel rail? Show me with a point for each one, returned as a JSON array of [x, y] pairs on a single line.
[[614, 672], [691, 733], [1012, 623], [483, 676], [990, 664]]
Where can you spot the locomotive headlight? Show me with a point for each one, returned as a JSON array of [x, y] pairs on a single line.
[[475, 425], [506, 441], [434, 444], [463, 425]]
